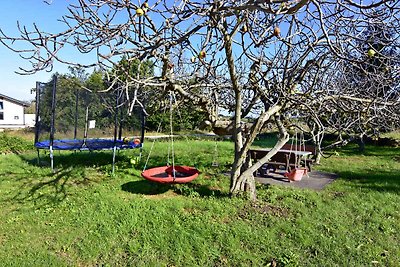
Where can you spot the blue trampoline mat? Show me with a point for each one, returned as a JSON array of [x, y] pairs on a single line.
[[89, 144]]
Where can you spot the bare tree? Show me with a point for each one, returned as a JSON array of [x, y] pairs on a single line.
[[374, 77], [267, 61]]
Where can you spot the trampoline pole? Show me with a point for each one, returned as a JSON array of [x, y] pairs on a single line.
[[37, 118], [115, 129], [51, 158], [121, 120], [142, 131], [86, 124], [113, 163], [143, 124], [86, 119], [38, 157], [37, 110], [53, 115], [76, 112], [116, 117]]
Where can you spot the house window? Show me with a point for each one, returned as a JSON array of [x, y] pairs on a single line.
[[1, 105], [16, 117], [1, 116]]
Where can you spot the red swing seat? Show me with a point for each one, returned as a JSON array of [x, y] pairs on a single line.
[[296, 174], [171, 175]]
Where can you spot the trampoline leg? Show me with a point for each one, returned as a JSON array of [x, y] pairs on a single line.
[[51, 158], [38, 157], [113, 163]]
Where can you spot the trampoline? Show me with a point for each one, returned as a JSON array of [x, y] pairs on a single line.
[[89, 144], [75, 113]]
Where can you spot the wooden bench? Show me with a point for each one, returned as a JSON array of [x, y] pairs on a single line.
[[285, 158], [308, 148]]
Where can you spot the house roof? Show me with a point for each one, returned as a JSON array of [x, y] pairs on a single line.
[[16, 101]]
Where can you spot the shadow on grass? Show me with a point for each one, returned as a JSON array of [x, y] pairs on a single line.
[[370, 150], [379, 180], [145, 187], [66, 159], [44, 187]]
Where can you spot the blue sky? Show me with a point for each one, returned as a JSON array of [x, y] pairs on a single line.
[[45, 16], [27, 12]]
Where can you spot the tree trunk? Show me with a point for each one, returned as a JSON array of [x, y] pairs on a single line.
[[318, 157], [242, 160], [247, 175], [361, 143], [238, 161], [238, 137]]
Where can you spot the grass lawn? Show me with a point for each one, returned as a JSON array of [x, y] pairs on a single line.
[[82, 215]]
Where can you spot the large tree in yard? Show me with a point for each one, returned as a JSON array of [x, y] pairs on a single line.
[[263, 61], [371, 74]]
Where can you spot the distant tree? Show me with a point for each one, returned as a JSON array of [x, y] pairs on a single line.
[[67, 87], [32, 107], [371, 74]]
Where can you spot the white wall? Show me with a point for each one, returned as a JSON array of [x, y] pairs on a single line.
[[30, 120], [13, 115]]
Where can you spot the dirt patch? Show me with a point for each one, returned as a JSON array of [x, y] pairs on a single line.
[[193, 211], [263, 209], [166, 195], [337, 194], [65, 256], [270, 209]]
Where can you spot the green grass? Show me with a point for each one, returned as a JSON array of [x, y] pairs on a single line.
[[393, 134], [83, 215], [14, 144]]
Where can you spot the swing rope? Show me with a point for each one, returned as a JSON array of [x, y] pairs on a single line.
[[290, 152], [152, 146], [154, 140], [171, 149], [299, 145], [171, 134], [215, 155], [302, 139]]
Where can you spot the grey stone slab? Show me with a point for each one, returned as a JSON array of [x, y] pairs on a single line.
[[315, 180]]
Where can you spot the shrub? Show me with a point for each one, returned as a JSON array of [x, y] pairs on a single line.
[[14, 144]]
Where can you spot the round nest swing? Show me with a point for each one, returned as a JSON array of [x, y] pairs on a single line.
[[171, 174]]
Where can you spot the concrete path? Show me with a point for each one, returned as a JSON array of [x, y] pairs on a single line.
[[316, 180]]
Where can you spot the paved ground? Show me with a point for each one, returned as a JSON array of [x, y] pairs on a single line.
[[316, 180]]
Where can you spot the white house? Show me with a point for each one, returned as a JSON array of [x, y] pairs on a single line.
[[30, 120], [12, 113]]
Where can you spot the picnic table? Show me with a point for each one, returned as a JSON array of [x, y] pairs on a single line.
[[283, 158]]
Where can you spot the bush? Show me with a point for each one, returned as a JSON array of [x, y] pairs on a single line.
[[14, 144]]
